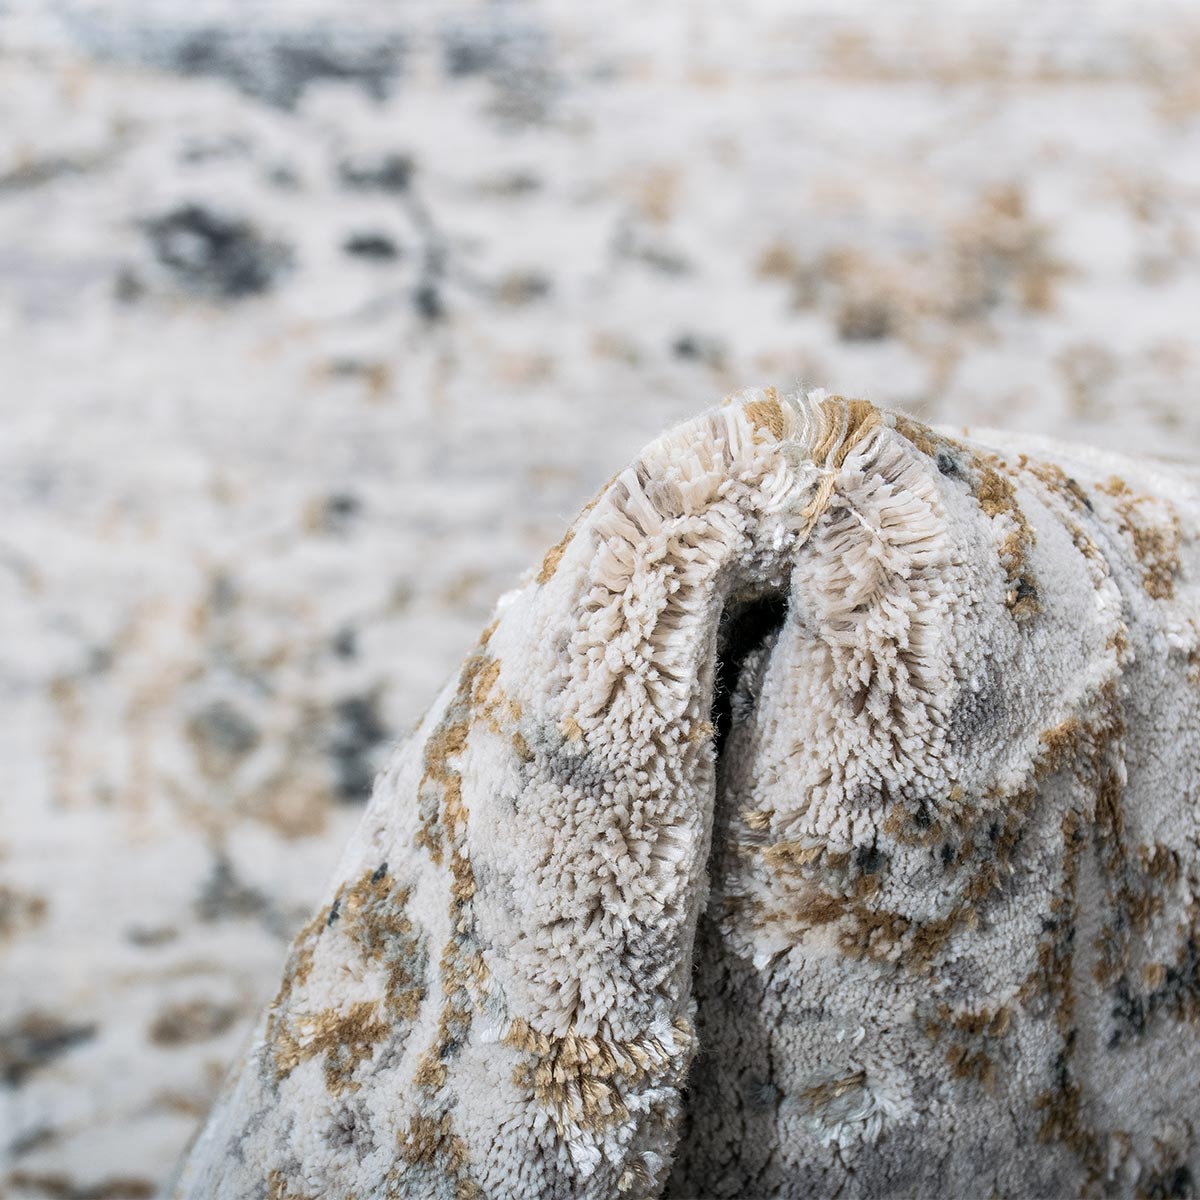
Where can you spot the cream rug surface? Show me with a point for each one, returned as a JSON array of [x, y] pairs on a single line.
[[320, 318], [819, 819]]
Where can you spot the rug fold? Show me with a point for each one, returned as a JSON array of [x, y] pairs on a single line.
[[818, 818]]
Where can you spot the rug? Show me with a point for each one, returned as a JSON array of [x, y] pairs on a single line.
[[320, 318], [818, 818]]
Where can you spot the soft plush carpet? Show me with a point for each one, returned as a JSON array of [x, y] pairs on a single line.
[[818, 819], [319, 319]]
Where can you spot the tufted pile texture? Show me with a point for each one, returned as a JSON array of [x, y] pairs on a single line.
[[819, 818], [320, 318]]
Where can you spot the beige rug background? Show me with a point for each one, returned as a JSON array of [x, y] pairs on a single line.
[[319, 321]]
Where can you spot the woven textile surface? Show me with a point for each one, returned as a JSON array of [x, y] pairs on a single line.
[[319, 319], [839, 769]]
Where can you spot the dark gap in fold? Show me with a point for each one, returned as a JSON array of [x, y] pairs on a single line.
[[745, 625], [734, 1055]]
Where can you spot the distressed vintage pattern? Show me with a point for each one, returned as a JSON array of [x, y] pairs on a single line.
[[819, 818], [318, 319]]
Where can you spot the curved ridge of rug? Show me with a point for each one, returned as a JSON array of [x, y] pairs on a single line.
[[819, 819]]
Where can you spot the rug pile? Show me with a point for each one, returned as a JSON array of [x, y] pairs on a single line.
[[819, 818]]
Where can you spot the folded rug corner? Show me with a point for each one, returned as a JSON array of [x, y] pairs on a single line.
[[818, 818]]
